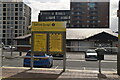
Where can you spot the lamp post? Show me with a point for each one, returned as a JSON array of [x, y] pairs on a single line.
[[11, 41]]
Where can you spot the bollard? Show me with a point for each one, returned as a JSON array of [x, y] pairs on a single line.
[[20, 54]]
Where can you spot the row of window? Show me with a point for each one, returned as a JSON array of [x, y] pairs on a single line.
[[9, 26], [84, 3], [11, 5], [12, 18], [12, 9], [88, 21], [13, 22], [13, 14], [81, 8], [9, 31], [56, 17], [85, 26], [81, 13], [15, 35], [54, 13]]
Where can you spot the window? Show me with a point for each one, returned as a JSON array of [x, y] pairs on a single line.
[[4, 22], [20, 5], [78, 17], [4, 26], [8, 9], [8, 14], [8, 18], [92, 8], [16, 14], [8, 5], [16, 31], [60, 13], [0, 5], [16, 5], [12, 5], [20, 18], [20, 9], [3, 35], [8, 22], [12, 22], [93, 12], [16, 27], [15, 35], [16, 9], [8, 26], [92, 4], [93, 25], [12, 18], [4, 9], [16, 18], [0, 18], [93, 21], [20, 22], [4, 5], [16, 22], [12, 9], [93, 17], [4, 18], [4, 31]]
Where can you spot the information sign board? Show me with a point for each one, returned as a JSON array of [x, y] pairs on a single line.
[[40, 42]]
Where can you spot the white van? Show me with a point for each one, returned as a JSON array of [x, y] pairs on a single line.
[[91, 54]]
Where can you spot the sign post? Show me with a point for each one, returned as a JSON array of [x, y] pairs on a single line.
[[100, 56], [49, 38]]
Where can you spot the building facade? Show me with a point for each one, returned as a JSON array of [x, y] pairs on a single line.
[[55, 15], [89, 14], [15, 17]]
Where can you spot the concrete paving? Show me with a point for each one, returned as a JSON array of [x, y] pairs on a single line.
[[21, 73]]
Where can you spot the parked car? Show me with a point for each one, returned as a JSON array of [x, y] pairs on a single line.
[[9, 47], [42, 61], [91, 54], [57, 55]]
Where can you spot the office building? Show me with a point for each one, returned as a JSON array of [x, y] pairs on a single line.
[[15, 17], [55, 15], [89, 14]]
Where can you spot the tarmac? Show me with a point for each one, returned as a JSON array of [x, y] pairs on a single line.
[[24, 73]]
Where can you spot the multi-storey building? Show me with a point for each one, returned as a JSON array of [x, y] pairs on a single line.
[[89, 14], [55, 15], [15, 17]]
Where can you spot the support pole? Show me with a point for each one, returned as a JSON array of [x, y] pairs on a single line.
[[32, 60], [11, 48], [2, 55], [64, 62], [118, 55], [99, 66]]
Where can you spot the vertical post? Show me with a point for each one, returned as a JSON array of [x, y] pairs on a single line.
[[2, 55], [118, 55], [64, 48], [11, 41], [64, 62], [99, 66], [32, 60]]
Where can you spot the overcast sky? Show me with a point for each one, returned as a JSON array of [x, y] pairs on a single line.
[[38, 5]]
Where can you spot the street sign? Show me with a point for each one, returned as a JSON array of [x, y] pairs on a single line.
[[55, 42], [48, 38], [48, 26], [40, 42]]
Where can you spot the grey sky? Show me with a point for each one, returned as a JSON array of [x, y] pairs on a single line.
[[38, 5]]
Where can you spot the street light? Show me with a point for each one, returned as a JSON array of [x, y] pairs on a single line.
[[11, 41]]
